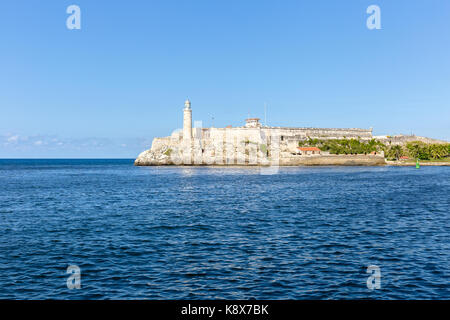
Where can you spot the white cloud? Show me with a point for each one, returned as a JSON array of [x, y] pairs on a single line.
[[13, 138], [17, 145]]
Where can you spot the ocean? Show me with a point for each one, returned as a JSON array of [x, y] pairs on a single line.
[[222, 233]]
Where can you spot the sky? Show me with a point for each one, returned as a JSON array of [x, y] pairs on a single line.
[[107, 89]]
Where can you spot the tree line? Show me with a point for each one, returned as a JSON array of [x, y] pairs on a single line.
[[344, 146], [419, 150], [414, 150]]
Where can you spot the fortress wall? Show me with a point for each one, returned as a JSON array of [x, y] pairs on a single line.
[[333, 160], [159, 143], [233, 138], [235, 147], [244, 146], [322, 133], [232, 134], [298, 134], [404, 139]]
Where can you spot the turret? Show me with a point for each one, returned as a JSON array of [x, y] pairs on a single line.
[[252, 123], [187, 121]]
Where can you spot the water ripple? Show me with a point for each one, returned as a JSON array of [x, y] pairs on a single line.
[[230, 233]]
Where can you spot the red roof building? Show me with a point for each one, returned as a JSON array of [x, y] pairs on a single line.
[[308, 150]]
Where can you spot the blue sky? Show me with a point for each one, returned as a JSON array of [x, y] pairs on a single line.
[[106, 90]]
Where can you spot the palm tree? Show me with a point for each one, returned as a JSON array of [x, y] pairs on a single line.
[[396, 152]]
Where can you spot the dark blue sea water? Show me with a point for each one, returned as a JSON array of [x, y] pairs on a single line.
[[206, 233]]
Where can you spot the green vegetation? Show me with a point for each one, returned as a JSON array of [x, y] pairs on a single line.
[[344, 146], [419, 150], [424, 151], [263, 149], [394, 152], [413, 150], [168, 152]]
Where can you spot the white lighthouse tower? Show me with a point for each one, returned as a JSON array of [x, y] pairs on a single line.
[[187, 121]]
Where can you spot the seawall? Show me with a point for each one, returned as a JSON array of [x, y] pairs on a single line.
[[315, 160], [334, 160]]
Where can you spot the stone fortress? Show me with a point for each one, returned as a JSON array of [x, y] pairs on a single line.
[[254, 144]]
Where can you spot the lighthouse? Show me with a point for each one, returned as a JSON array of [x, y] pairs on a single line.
[[187, 121]]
